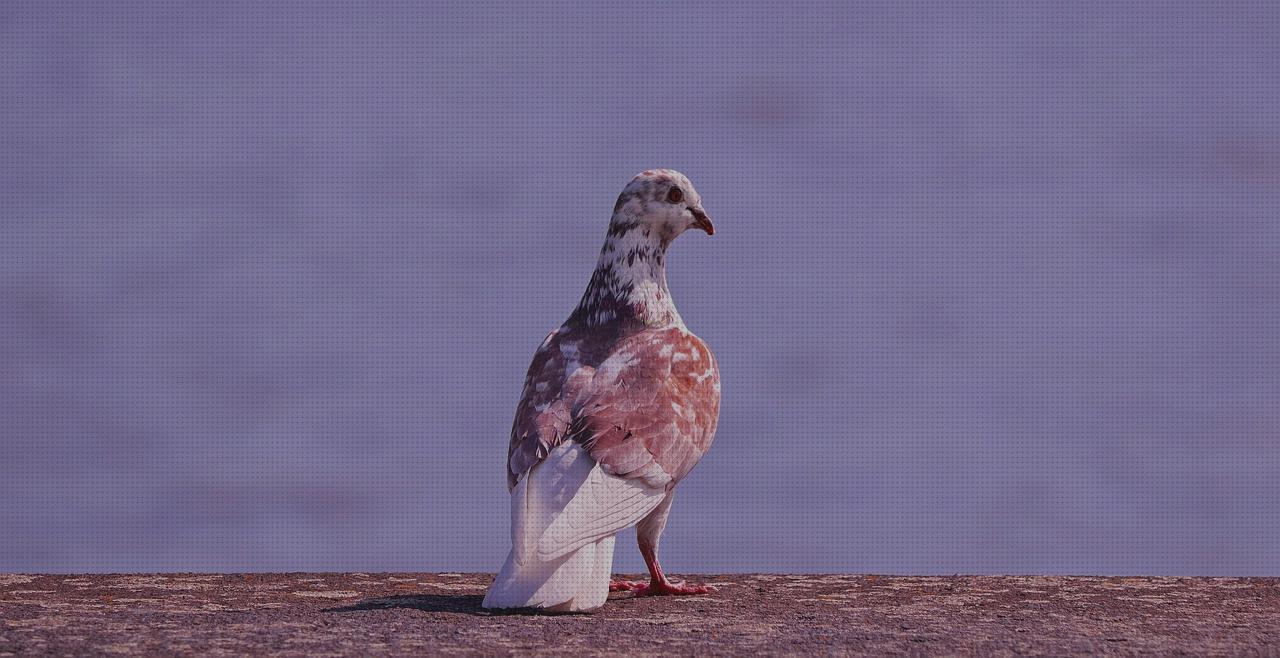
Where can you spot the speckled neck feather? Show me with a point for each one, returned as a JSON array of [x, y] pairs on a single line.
[[629, 284]]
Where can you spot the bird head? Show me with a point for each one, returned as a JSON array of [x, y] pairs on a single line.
[[663, 201]]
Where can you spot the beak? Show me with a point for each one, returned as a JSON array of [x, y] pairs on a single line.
[[701, 220]]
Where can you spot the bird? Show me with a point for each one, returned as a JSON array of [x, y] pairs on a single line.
[[619, 404]]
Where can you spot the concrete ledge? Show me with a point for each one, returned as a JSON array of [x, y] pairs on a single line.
[[310, 614]]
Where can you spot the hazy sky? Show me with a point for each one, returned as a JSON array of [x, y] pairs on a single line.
[[994, 287]]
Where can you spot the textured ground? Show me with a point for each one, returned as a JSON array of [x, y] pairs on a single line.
[[370, 614]]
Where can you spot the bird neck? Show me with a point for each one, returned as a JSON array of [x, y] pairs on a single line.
[[629, 283]]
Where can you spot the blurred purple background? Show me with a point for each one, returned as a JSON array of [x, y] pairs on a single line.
[[995, 287]]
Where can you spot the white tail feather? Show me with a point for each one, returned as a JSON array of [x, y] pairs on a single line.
[[564, 515], [577, 582]]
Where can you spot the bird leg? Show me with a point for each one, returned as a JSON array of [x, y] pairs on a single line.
[[648, 532], [658, 583]]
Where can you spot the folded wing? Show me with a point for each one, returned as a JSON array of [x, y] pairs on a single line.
[[651, 408], [603, 433], [568, 501]]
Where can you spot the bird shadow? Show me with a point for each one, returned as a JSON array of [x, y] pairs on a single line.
[[466, 604]]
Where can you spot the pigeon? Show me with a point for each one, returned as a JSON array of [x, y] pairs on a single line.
[[618, 406]]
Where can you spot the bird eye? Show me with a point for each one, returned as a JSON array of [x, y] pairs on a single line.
[[676, 195]]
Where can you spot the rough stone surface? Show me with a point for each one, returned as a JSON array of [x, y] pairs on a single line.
[[317, 614]]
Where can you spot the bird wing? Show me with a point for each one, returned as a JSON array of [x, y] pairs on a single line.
[[661, 387], [567, 501], [544, 412], [596, 449], [649, 411]]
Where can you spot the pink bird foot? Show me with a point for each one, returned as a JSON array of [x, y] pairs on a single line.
[[625, 585], [668, 588]]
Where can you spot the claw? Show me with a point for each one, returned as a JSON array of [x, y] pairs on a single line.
[[667, 588]]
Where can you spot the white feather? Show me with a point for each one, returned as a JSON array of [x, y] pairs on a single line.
[[564, 515]]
